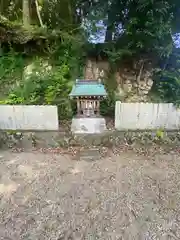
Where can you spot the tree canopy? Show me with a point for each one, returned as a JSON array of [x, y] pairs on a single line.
[[135, 25]]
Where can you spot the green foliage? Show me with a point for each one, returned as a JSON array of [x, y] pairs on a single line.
[[107, 106], [44, 87], [12, 100], [168, 86], [11, 70], [133, 28], [136, 26], [48, 78], [160, 134], [116, 53], [167, 80], [142, 26]]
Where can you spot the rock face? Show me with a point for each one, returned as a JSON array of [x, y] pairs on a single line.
[[133, 83], [36, 68], [95, 70]]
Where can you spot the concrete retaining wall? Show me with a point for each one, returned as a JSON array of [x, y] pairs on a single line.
[[28, 117], [143, 116]]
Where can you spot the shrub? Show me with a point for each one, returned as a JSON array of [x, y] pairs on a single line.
[[44, 87]]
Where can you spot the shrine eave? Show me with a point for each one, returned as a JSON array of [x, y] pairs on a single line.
[[85, 88]]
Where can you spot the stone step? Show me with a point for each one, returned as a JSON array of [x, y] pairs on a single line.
[[91, 154]]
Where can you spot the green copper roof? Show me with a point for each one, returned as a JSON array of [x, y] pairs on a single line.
[[88, 88]]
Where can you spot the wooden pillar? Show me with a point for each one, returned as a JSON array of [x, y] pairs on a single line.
[[83, 106], [78, 106], [87, 108], [94, 105], [91, 107], [98, 107]]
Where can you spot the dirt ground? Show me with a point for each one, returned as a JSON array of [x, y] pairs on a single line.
[[52, 197]]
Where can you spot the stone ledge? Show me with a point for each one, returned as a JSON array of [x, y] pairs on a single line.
[[29, 140]]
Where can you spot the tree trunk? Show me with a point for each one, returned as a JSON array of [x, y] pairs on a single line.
[[109, 34], [38, 13], [109, 30], [1, 6], [26, 13]]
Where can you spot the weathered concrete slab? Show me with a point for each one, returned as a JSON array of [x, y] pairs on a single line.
[[28, 117], [88, 125], [143, 116]]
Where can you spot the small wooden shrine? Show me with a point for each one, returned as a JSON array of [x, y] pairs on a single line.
[[88, 94]]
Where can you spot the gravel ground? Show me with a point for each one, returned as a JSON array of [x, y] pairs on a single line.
[[51, 197]]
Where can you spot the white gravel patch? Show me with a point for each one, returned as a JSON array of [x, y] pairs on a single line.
[[52, 197]]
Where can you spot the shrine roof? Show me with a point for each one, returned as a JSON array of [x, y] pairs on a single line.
[[88, 88]]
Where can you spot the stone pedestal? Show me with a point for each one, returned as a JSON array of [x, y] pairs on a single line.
[[88, 125]]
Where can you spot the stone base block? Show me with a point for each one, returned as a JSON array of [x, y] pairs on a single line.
[[88, 125]]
